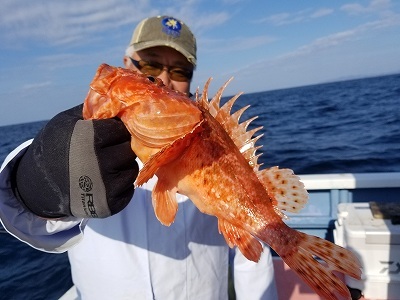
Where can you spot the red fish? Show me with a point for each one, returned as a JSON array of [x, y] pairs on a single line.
[[200, 149]]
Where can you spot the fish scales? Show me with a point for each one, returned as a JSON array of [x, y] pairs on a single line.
[[200, 149]]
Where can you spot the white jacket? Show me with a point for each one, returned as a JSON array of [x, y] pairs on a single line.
[[131, 255]]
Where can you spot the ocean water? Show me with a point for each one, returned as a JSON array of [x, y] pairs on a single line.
[[348, 126]]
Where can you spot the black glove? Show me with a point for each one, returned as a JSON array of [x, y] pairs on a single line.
[[77, 167]]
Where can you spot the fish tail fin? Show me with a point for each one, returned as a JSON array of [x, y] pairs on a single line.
[[305, 261]]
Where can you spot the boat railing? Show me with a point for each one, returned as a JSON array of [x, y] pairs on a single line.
[[326, 191]]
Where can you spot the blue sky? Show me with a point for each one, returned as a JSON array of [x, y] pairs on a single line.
[[50, 50]]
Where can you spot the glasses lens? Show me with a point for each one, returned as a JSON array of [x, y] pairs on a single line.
[[179, 74], [150, 68], [155, 69]]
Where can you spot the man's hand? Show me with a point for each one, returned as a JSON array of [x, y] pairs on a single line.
[[75, 167]]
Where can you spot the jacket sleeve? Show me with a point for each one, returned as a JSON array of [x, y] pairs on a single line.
[[254, 280], [52, 236]]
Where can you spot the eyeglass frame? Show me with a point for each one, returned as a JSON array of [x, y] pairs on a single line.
[[154, 64]]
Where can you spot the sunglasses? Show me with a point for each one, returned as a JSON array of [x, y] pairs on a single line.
[[154, 69]]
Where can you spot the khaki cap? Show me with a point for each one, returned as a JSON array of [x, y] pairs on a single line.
[[165, 31]]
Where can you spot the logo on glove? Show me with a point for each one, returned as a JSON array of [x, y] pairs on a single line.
[[86, 185]]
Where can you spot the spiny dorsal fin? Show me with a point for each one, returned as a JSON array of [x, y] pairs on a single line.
[[242, 138], [285, 188]]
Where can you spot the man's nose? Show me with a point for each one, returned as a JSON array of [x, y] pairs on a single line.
[[164, 76]]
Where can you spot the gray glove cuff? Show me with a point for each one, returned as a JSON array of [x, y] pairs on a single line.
[[85, 180]]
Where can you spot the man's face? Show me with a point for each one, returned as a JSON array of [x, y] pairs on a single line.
[[167, 57]]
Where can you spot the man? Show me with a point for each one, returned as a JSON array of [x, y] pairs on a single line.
[[117, 247]]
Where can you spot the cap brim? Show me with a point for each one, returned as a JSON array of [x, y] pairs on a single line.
[[158, 43]]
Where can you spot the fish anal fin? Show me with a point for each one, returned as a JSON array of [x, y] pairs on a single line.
[[285, 188], [166, 155], [319, 274], [247, 244], [164, 202]]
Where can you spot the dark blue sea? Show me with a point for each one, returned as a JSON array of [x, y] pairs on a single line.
[[348, 126]]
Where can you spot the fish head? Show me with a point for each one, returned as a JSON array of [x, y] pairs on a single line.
[[154, 114], [114, 88]]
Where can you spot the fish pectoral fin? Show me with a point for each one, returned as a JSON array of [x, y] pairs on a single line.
[[250, 247], [164, 203], [285, 189], [166, 155]]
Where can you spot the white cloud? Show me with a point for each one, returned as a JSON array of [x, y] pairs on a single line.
[[62, 60], [342, 37], [315, 48], [234, 44], [38, 85], [296, 17], [321, 13], [285, 18], [230, 2], [207, 21], [74, 22], [374, 6], [61, 22]]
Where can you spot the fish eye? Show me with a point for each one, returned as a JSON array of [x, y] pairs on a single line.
[[151, 78]]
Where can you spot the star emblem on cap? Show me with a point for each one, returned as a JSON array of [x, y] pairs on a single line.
[[172, 23], [171, 26]]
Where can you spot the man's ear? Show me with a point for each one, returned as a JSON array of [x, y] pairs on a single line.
[[127, 62]]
